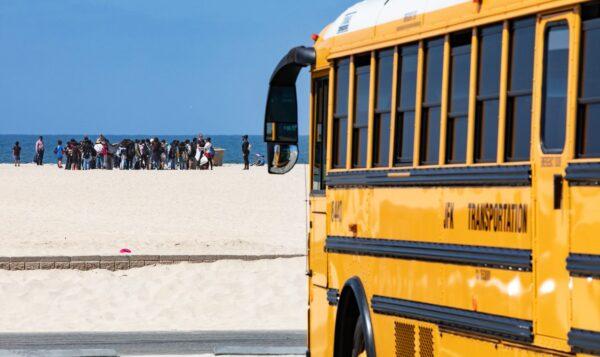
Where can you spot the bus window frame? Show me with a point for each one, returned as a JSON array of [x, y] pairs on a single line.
[[356, 71], [379, 112], [426, 105], [398, 110], [572, 17], [546, 27], [513, 94], [317, 76], [450, 114], [337, 116], [583, 101], [482, 99]]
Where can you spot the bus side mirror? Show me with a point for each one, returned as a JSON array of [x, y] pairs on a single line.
[[281, 157], [281, 116], [281, 129], [281, 119]]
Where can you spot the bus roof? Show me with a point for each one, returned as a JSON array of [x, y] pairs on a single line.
[[370, 13]]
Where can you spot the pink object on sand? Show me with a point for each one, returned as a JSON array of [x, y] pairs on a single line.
[[125, 250]]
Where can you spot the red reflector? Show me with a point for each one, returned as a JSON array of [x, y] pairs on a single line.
[[314, 37]]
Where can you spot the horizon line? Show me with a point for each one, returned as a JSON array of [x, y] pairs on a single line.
[[149, 135]]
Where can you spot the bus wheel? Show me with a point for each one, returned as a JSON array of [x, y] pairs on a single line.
[[358, 341]]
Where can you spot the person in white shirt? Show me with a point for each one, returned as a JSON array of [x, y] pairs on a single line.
[[209, 152]]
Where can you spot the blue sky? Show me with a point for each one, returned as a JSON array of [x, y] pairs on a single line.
[[148, 66]]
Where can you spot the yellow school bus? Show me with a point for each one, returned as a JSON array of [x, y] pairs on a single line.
[[455, 172]]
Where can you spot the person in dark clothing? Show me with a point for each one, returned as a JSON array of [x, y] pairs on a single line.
[[16, 150], [145, 151], [246, 151], [129, 155], [69, 155], [94, 157], [192, 156], [39, 151], [156, 148], [163, 154], [172, 154], [75, 153], [86, 152]]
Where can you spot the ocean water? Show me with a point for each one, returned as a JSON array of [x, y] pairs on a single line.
[[231, 144]]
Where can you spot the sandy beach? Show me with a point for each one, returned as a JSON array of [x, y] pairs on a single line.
[[47, 211], [226, 295], [51, 212]]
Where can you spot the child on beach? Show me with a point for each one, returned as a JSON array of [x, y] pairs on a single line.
[[17, 154], [59, 151]]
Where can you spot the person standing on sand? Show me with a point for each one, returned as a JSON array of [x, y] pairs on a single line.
[[183, 159], [137, 156], [16, 150], [155, 148], [193, 146], [86, 152], [104, 154], [69, 153], [246, 152], [163, 154], [172, 154], [75, 155], [39, 151], [209, 152], [59, 151], [94, 154]]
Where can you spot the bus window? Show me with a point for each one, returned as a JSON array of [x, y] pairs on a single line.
[[362, 80], [460, 67], [588, 125], [488, 94], [321, 91], [381, 122], [405, 117], [431, 114], [554, 84], [518, 112], [340, 119]]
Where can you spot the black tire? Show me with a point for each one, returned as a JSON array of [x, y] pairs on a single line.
[[358, 341]]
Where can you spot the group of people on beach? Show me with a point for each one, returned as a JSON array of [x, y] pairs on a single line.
[[129, 154]]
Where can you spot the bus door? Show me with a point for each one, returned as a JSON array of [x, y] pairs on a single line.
[[553, 112], [317, 256], [320, 312]]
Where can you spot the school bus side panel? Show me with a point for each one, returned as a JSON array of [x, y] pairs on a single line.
[[417, 215], [322, 322], [585, 227]]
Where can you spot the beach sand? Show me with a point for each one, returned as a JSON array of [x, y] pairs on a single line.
[[225, 295], [47, 211]]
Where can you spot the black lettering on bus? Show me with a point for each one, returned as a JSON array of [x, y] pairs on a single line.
[[497, 217], [449, 216]]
